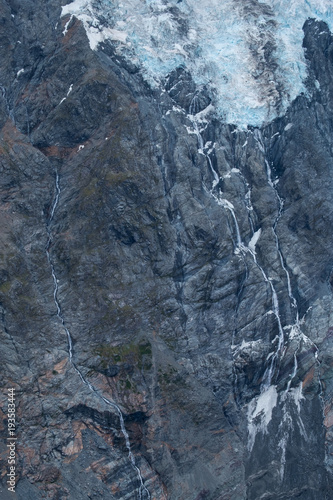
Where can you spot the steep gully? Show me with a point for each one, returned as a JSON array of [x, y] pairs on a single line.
[[143, 493], [262, 405]]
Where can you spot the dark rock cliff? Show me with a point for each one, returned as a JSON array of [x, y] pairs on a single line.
[[202, 308]]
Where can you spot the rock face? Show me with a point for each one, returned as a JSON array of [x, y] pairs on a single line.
[[166, 278]]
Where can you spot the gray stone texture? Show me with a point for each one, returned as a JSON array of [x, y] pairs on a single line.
[[167, 320]]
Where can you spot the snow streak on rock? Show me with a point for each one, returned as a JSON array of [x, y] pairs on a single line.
[[247, 53], [260, 413]]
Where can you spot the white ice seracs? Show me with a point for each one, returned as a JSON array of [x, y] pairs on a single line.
[[221, 46]]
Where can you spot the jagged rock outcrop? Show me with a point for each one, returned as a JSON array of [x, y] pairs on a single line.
[[188, 261]]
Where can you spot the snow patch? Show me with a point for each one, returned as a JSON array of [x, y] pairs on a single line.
[[91, 18], [225, 203], [69, 91], [297, 394], [254, 241], [67, 24], [247, 345], [260, 413], [175, 109]]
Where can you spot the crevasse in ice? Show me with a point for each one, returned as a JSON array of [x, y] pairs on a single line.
[[248, 54]]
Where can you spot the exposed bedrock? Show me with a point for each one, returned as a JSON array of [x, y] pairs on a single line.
[[188, 261]]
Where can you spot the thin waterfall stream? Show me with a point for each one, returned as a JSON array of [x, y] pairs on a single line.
[[241, 248], [261, 406], [295, 328], [143, 491]]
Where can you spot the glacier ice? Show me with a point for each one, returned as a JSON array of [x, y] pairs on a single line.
[[248, 54]]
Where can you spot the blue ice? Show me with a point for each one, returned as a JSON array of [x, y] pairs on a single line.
[[221, 44]]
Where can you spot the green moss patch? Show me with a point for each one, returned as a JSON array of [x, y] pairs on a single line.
[[138, 355]]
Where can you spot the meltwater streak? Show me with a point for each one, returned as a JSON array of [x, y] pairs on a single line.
[[295, 328], [260, 408], [240, 247], [143, 491], [268, 398], [258, 138]]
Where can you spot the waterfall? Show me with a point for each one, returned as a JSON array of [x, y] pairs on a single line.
[[143, 491], [240, 246]]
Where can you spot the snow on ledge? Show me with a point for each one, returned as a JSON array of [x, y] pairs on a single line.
[[260, 413]]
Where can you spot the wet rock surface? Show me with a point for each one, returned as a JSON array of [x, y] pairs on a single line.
[[201, 307]]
